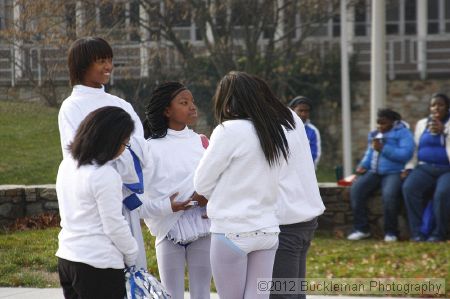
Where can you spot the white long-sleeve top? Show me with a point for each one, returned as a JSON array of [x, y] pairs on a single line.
[[299, 197], [74, 109], [83, 101], [94, 231], [236, 178], [175, 158]]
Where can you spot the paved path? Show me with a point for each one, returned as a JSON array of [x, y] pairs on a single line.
[[29, 293], [32, 293]]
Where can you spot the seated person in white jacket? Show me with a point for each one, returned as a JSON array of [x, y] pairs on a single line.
[[95, 242]]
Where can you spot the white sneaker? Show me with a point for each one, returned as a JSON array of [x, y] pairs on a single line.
[[357, 235], [390, 238]]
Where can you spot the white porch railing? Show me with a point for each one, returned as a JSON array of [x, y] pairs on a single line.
[[43, 63]]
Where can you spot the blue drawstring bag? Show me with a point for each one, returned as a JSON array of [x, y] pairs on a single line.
[[428, 221], [142, 285]]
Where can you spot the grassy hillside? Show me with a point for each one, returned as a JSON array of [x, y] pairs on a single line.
[[29, 143]]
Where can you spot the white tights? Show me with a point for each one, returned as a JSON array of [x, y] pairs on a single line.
[[235, 271], [172, 259]]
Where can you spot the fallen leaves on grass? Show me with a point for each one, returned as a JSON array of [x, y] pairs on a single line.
[[35, 222]]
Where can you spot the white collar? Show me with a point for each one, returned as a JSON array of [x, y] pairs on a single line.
[[86, 89]]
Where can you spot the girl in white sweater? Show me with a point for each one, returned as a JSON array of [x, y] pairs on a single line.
[[95, 241], [239, 175], [180, 226], [90, 67]]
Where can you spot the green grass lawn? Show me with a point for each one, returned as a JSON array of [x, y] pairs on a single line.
[[28, 259], [30, 151]]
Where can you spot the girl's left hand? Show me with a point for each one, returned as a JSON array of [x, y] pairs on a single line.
[[436, 126], [202, 201], [377, 145]]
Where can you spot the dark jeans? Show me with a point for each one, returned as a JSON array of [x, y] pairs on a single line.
[[420, 180], [81, 281], [290, 259], [362, 189]]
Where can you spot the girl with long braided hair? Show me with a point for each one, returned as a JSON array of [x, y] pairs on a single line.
[[180, 225]]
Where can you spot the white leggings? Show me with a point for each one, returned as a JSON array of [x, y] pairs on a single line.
[[172, 259], [235, 271]]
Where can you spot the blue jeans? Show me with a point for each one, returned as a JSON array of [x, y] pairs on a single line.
[[362, 189], [420, 180]]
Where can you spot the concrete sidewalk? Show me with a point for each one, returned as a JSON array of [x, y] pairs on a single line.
[[33, 293]]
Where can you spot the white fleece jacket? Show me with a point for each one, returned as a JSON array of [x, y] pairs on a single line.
[[299, 197], [236, 178], [175, 159], [74, 109], [83, 101], [94, 231]]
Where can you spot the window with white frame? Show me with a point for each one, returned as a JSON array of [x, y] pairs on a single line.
[[400, 17], [438, 16], [362, 18], [393, 21], [433, 16], [410, 17]]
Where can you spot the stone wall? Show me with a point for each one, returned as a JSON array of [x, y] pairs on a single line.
[[19, 201], [338, 216]]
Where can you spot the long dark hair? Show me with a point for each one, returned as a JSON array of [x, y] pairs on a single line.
[[275, 104], [100, 135], [240, 96], [82, 53], [156, 123]]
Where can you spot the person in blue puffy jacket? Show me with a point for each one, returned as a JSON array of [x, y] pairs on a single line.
[[390, 147]]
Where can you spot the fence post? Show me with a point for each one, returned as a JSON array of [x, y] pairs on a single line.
[[13, 68], [391, 60], [39, 67]]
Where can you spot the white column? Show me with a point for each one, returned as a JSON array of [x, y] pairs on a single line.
[[350, 28], [422, 28], [345, 90], [145, 40], [18, 43], [80, 18], [378, 61], [279, 30], [127, 20]]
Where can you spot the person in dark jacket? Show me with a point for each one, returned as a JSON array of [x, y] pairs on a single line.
[[431, 172], [390, 147]]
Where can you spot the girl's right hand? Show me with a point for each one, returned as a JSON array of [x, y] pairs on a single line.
[[360, 170], [178, 205], [404, 173]]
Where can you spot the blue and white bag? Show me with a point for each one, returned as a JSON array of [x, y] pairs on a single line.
[[142, 285]]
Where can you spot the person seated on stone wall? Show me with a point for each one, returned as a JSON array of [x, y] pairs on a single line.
[[432, 171], [390, 147]]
